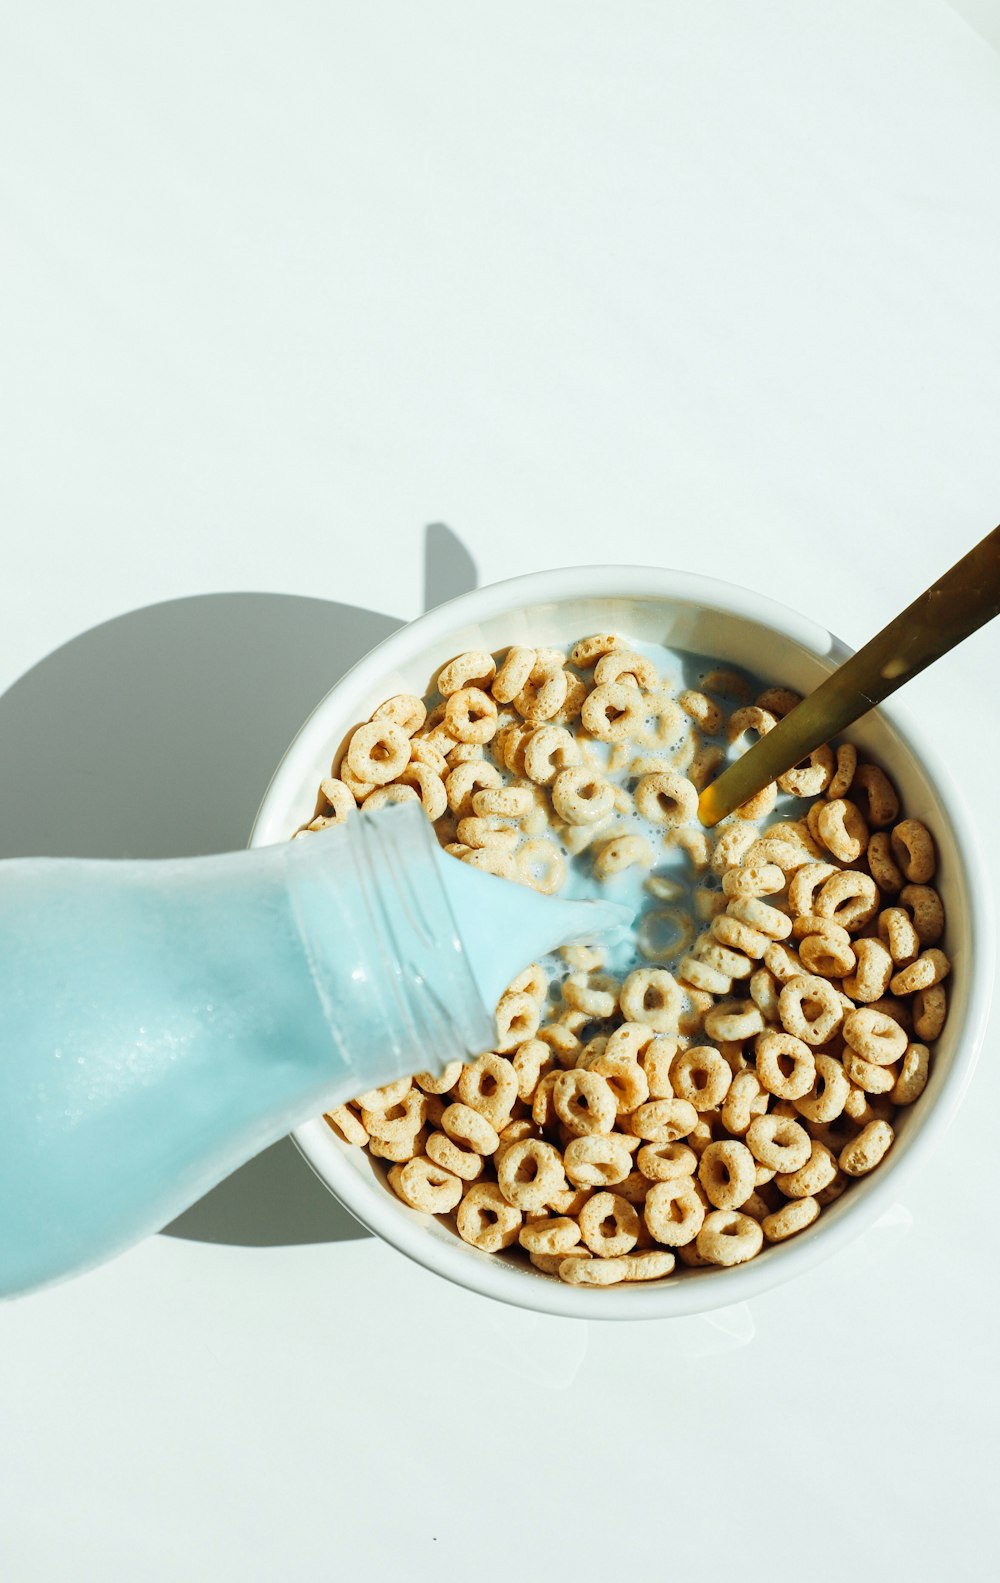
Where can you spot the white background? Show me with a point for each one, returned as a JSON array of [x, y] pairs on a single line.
[[706, 285]]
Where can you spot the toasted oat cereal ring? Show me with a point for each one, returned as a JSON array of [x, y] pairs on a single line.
[[663, 1120], [666, 1162], [485, 1218], [812, 777], [593, 1272], [634, 1187], [655, 1057], [517, 1019], [673, 1211], [734, 1020], [588, 651], [760, 804], [471, 715], [871, 976], [529, 1173], [609, 1225], [930, 1009], [791, 1218], [751, 880], [584, 1102], [842, 829], [708, 903], [385, 1097], [895, 928], [804, 884], [549, 1263], [739, 936], [531, 1060], [478, 831], [760, 916], [810, 1008], [378, 752], [824, 946], [873, 788], [666, 798], [786, 1066], [386, 796], [913, 1073], [701, 1076], [870, 1076], [812, 1177], [652, 996], [702, 976], [925, 905], [626, 1079], [787, 855], [929, 968], [428, 786], [492, 859], [622, 665], [463, 1163], [532, 980], [548, 750], [827, 1096], [764, 993], [423, 751], [660, 723], [782, 962], [850, 899], [561, 1041], [541, 865], [439, 1082], [517, 666], [465, 780], [515, 1132], [705, 713], [745, 1100], [693, 842], [728, 1237], [343, 1121], [598, 1160], [650, 1265], [405, 710], [847, 763], [750, 718], [884, 869], [779, 1143], [398, 1149], [727, 1171], [913, 849], [622, 852], [338, 801], [556, 1235], [733, 843], [469, 1129], [874, 1036], [779, 701], [614, 712], [425, 1186], [504, 802], [544, 693], [581, 796], [489, 1085], [475, 668], [595, 994], [867, 1150]]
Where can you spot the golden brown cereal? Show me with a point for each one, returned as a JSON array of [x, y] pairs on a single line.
[[613, 713], [467, 1128], [548, 750], [786, 1066], [779, 1143], [929, 968], [913, 1073], [930, 1009], [666, 1162], [666, 798], [750, 718], [753, 880], [624, 665], [580, 796], [727, 1172], [622, 852], [883, 867], [842, 829], [810, 1008], [650, 1265], [847, 763], [673, 1211], [378, 752], [924, 903], [895, 928], [489, 1085], [874, 1036], [475, 668], [405, 710], [348, 1125], [518, 1017], [529, 1173], [465, 780], [428, 786], [728, 1237], [544, 693], [701, 1076], [868, 1075], [471, 715], [702, 710], [517, 666], [865, 1151], [913, 849], [812, 1177], [593, 1272], [557, 1234], [873, 787], [486, 1219], [588, 651], [871, 976], [850, 899], [663, 1120], [652, 996], [425, 1186], [826, 1098], [597, 1160], [609, 1225], [739, 936], [463, 1163], [584, 1102], [811, 778], [804, 884], [792, 1217]]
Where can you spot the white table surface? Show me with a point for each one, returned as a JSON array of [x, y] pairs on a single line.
[[712, 286]]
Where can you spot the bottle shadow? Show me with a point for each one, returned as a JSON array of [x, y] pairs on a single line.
[[155, 735]]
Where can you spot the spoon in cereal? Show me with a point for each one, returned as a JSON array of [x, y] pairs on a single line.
[[958, 604]]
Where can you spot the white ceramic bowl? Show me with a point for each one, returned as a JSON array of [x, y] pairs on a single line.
[[730, 624]]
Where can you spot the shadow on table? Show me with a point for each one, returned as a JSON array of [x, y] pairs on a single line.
[[155, 735]]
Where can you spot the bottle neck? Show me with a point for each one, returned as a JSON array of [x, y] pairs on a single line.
[[382, 944]]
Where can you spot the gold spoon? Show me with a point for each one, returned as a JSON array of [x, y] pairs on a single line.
[[961, 602]]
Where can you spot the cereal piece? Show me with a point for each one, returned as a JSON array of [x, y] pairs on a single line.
[[423, 751], [728, 1237], [750, 719], [544, 693], [531, 1060], [517, 666], [870, 1076], [875, 1037], [338, 800], [913, 1073], [469, 1129], [582, 797], [471, 715], [871, 976], [609, 1225], [804, 884], [929, 968], [827, 1096], [875, 790], [614, 712], [529, 1173], [666, 798], [924, 903], [867, 1150], [598, 1160], [489, 1085], [842, 829], [810, 1008], [465, 780], [517, 1019], [666, 1162], [347, 1125], [760, 916], [475, 668], [588, 651], [593, 1272], [493, 859], [701, 1076], [548, 750], [386, 1097], [703, 976], [786, 1066], [486, 1220], [425, 1186], [463, 1163], [850, 899], [779, 701], [811, 1178], [702, 710], [752, 880], [622, 852], [733, 845], [764, 993], [405, 710], [385, 796], [930, 1009], [847, 763], [744, 1100], [555, 1235], [727, 1172], [896, 930], [913, 850], [651, 1265], [673, 1212], [652, 996], [812, 777], [378, 752], [884, 869], [733, 1021], [622, 665], [779, 1143], [584, 1102], [663, 1120], [791, 1218]]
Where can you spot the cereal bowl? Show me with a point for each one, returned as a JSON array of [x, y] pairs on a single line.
[[734, 626]]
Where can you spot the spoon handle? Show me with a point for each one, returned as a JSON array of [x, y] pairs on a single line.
[[959, 603]]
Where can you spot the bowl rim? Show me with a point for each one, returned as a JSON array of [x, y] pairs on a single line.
[[404, 1229]]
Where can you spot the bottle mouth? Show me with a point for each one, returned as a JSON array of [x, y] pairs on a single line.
[[439, 1013]]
